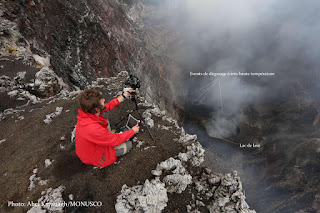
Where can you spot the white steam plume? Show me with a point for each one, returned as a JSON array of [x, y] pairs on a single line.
[[247, 36]]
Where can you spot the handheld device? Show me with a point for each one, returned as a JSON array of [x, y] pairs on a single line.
[[132, 121]]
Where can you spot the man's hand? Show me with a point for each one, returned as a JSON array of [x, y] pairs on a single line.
[[125, 95], [128, 93], [136, 128]]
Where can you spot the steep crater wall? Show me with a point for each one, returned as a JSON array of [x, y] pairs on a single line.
[[86, 40]]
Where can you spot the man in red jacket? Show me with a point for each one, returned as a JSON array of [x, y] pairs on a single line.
[[95, 144]]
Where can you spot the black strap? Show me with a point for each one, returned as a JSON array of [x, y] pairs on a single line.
[[123, 95]]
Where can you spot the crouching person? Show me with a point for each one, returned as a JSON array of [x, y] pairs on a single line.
[[95, 144]]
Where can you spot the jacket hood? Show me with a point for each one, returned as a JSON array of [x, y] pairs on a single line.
[[86, 118]]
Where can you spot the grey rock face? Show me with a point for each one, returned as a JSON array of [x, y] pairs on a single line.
[[46, 83], [51, 201], [149, 197], [186, 138], [25, 75], [195, 154], [13, 43], [147, 117], [53, 115], [178, 180], [225, 191]]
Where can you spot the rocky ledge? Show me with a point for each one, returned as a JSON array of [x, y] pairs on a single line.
[[210, 190], [164, 175]]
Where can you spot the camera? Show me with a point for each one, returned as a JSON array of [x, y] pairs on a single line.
[[133, 82]]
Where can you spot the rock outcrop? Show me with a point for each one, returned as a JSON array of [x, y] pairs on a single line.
[[51, 201], [149, 197]]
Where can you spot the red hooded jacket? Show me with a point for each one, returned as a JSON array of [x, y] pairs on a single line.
[[94, 143]]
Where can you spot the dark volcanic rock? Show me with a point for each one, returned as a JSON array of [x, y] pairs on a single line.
[[90, 39]]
